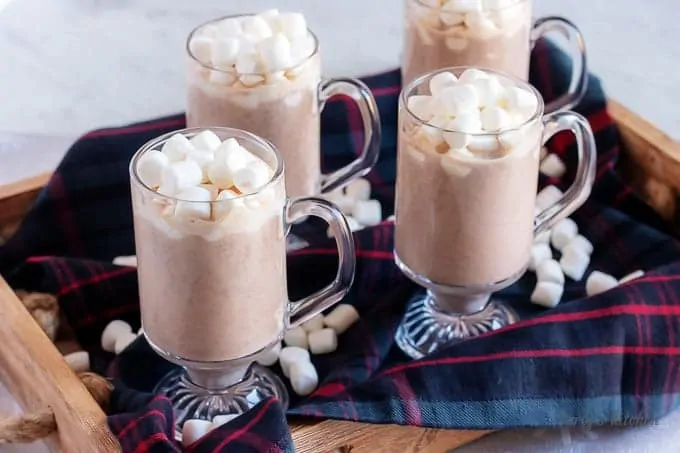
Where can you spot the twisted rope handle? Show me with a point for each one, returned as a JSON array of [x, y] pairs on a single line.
[[22, 429]]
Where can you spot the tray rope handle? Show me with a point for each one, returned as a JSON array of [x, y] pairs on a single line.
[[27, 428]]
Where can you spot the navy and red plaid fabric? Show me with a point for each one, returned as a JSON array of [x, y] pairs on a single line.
[[609, 359]]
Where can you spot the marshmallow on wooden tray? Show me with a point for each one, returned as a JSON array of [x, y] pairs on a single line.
[[563, 232], [111, 333], [548, 197], [632, 276], [574, 263], [290, 355], [550, 271], [313, 324], [553, 166], [341, 318], [78, 361], [269, 356], [303, 377], [323, 341], [192, 430], [539, 252], [547, 294], [296, 337], [599, 282], [123, 340]]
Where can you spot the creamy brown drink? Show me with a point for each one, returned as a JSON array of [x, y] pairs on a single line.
[[212, 265], [467, 177], [261, 73], [485, 34]]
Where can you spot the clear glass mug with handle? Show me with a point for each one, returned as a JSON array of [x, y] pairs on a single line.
[[465, 219], [497, 35], [283, 106], [212, 272]]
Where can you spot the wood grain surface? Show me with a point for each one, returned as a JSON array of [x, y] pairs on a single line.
[[37, 376]]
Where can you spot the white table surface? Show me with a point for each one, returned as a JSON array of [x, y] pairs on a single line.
[[70, 66]]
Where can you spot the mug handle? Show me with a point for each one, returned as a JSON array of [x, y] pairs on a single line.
[[368, 109], [579, 74], [308, 307], [580, 190]]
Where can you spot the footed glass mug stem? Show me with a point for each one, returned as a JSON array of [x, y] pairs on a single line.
[[304, 309], [580, 190], [368, 109], [579, 74]]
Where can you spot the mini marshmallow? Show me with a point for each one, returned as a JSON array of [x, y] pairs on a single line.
[[177, 147], [632, 276], [269, 15], [552, 166], [458, 99], [292, 24], [367, 212], [206, 140], [420, 106], [290, 355], [521, 101], [451, 14], [341, 318], [203, 158], [222, 208], [194, 204], [351, 221], [563, 232], [180, 175], [441, 81], [574, 263], [494, 119], [224, 52], [269, 356], [303, 378], [297, 337], [581, 243], [246, 66], [220, 420], [123, 340], [111, 332], [130, 261], [150, 167], [490, 92], [539, 253], [599, 282], [550, 271], [213, 189], [192, 430], [230, 27], [548, 197], [547, 294], [220, 175], [314, 324], [79, 361], [256, 27], [323, 341], [481, 25], [483, 145], [461, 127], [251, 178], [301, 48], [359, 189], [275, 52], [201, 48], [471, 75]]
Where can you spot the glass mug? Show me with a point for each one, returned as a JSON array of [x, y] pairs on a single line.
[[463, 33], [464, 227], [213, 292], [284, 110]]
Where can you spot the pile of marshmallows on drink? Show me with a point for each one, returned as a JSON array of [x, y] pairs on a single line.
[[263, 48]]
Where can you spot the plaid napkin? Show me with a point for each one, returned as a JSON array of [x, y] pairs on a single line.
[[609, 359]]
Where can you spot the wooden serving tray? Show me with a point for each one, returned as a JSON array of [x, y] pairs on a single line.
[[32, 368]]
